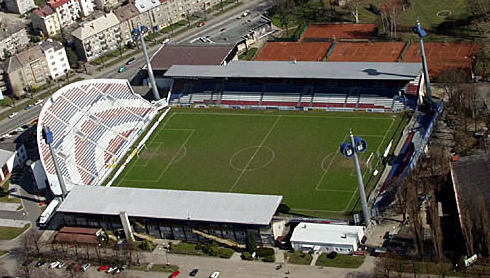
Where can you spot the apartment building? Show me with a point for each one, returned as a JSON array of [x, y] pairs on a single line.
[[19, 6], [55, 54], [68, 11], [45, 20], [3, 84], [87, 6], [99, 36], [101, 4], [13, 38], [176, 10], [34, 66], [152, 13]]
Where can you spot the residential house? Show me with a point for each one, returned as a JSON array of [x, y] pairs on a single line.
[[96, 37], [34, 66], [45, 20], [19, 6], [13, 38], [68, 11]]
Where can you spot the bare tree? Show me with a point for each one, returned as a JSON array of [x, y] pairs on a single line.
[[383, 267], [353, 7], [413, 212], [188, 17]]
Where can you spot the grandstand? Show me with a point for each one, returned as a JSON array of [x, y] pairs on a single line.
[[94, 122], [348, 86]]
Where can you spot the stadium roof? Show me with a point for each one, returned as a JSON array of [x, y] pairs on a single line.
[[308, 70], [177, 54], [326, 233], [172, 204]]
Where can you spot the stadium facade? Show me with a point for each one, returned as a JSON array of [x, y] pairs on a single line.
[[346, 86]]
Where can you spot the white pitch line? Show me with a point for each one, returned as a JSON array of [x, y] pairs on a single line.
[[152, 153], [335, 190], [380, 144], [329, 165], [255, 153]]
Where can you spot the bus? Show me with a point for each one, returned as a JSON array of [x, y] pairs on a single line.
[[46, 215]]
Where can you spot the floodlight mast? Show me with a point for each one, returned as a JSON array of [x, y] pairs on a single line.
[[154, 89], [422, 33], [48, 139], [360, 183]]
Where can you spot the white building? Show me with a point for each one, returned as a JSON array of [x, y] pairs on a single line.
[[10, 159], [342, 239], [56, 57], [87, 6], [19, 6], [45, 20], [68, 11]]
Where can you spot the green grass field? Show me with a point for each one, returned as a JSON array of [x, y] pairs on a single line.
[[293, 154]]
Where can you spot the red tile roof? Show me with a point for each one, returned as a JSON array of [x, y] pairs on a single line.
[[57, 3], [43, 11]]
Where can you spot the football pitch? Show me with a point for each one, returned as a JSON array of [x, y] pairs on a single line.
[[289, 153]]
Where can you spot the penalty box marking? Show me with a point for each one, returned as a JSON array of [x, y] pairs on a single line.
[[171, 160]]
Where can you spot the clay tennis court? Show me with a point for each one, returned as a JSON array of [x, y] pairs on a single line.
[[339, 31], [367, 52], [290, 51], [441, 56]]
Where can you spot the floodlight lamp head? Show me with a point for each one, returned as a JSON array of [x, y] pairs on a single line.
[[360, 145], [346, 149], [47, 135]]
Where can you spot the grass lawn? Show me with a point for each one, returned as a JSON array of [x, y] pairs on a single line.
[[8, 233], [442, 269], [190, 249], [164, 268], [344, 261], [248, 55], [4, 197], [426, 12], [293, 154], [3, 252], [298, 258]]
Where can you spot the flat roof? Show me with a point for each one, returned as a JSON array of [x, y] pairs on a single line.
[[172, 204], [177, 54], [326, 233], [306, 70], [5, 155]]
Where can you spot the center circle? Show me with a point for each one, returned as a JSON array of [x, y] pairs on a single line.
[[252, 158], [444, 13]]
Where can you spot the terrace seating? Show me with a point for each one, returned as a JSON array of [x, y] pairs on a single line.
[[92, 126]]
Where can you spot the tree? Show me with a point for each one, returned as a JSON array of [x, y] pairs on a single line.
[[353, 7], [204, 10], [188, 18], [221, 4], [283, 9], [383, 267], [6, 53], [72, 58], [413, 213], [250, 244]]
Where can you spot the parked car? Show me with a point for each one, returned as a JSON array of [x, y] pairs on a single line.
[[7, 135], [201, 24], [121, 69], [193, 272], [85, 266], [39, 101], [60, 265], [119, 270], [174, 274], [214, 275], [111, 269], [27, 262], [40, 263], [246, 13], [130, 61], [165, 41], [28, 107], [103, 268], [13, 115], [54, 264]]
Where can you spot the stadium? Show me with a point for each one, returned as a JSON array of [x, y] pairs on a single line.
[[178, 168]]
